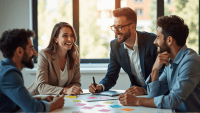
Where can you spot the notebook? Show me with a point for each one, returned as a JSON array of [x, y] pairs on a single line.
[[111, 93]]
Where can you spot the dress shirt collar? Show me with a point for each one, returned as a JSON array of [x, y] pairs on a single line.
[[135, 45], [179, 56]]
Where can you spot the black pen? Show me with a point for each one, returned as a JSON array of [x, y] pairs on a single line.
[[94, 82]]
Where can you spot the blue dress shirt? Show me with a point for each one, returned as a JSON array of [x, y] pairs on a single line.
[[13, 93], [182, 78]]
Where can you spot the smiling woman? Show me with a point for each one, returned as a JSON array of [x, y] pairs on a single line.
[[58, 70]]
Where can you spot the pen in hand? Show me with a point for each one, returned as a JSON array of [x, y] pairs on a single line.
[[94, 82]]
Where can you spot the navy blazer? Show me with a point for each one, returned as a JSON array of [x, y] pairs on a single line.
[[119, 58], [13, 94]]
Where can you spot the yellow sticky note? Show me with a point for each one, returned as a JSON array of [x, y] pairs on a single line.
[[108, 102], [127, 109], [70, 96], [76, 100]]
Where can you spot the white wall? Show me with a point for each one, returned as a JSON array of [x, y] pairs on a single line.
[[18, 14], [14, 14], [123, 81]]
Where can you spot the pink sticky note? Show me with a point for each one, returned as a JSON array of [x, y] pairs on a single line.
[[79, 104], [92, 98], [86, 107], [104, 110], [98, 105], [103, 97]]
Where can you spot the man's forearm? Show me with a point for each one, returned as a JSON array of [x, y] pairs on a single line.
[[147, 102], [154, 75], [38, 98]]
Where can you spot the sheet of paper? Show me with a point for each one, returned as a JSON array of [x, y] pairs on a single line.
[[80, 104], [92, 98], [85, 91], [103, 97], [127, 109], [86, 107], [98, 105], [104, 110]]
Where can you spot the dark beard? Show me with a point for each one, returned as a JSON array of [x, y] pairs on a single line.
[[27, 61], [164, 48], [126, 36]]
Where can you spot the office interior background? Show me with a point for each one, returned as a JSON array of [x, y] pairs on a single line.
[[92, 20]]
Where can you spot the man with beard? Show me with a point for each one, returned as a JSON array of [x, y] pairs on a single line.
[[18, 53], [181, 75], [132, 50]]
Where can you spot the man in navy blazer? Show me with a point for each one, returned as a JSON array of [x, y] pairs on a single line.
[[17, 48], [132, 50]]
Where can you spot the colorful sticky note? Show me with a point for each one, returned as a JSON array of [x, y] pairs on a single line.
[[76, 100], [104, 110], [80, 104], [103, 97], [127, 109], [86, 107], [98, 105], [70, 96], [92, 98], [108, 102], [115, 106]]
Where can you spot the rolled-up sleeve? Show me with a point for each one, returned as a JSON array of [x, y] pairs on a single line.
[[157, 87], [182, 85]]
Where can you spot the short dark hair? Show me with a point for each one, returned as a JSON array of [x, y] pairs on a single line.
[[10, 40], [129, 13], [174, 26]]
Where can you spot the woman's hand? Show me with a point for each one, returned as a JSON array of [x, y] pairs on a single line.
[[73, 90]]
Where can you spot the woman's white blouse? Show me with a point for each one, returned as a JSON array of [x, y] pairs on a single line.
[[63, 76]]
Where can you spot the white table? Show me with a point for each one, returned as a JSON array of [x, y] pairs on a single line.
[[70, 106]]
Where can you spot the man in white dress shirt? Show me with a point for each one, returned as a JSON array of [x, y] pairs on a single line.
[[132, 50]]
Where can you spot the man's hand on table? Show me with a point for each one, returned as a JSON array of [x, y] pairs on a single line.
[[135, 91], [48, 98], [45, 98], [128, 100], [58, 102], [97, 89]]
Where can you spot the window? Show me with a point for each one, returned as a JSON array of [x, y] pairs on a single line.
[[95, 33], [146, 14], [138, 1], [139, 12], [169, 1], [51, 12], [183, 9], [92, 18]]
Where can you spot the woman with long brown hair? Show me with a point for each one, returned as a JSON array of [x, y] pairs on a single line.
[[58, 70]]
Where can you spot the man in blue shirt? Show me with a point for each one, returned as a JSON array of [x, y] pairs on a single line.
[[18, 53], [181, 75]]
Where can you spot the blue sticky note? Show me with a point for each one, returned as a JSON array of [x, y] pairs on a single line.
[[115, 106]]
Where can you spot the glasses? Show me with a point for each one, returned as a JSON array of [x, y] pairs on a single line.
[[119, 28]]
